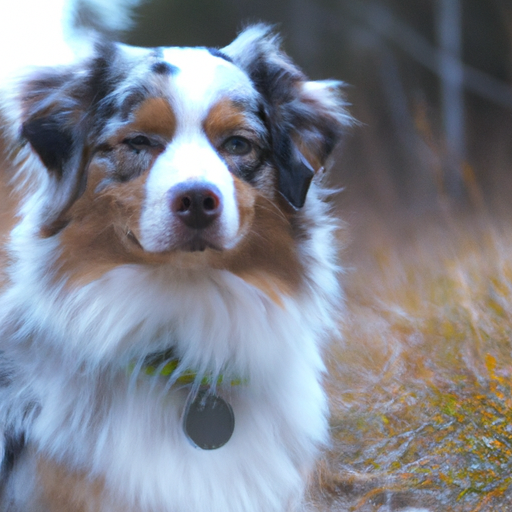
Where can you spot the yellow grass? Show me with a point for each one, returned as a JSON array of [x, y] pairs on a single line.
[[421, 386]]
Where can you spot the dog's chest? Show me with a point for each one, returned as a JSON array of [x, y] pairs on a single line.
[[145, 462]]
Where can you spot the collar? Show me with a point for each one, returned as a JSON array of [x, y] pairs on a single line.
[[165, 364]]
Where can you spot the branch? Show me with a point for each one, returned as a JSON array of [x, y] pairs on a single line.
[[384, 23]]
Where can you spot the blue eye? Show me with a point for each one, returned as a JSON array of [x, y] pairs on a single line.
[[237, 146]]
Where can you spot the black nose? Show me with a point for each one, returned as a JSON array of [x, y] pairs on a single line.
[[196, 204]]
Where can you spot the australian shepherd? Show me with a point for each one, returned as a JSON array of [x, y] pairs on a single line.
[[169, 272]]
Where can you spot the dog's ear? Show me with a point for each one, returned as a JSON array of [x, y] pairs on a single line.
[[306, 119], [59, 107]]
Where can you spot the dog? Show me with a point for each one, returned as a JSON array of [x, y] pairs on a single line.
[[170, 274]]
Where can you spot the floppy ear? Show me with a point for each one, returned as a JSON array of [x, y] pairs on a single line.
[[57, 117], [305, 119]]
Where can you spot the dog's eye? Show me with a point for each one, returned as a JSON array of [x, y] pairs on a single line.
[[139, 142], [237, 146]]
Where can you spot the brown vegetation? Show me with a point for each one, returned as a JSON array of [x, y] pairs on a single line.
[[421, 385]]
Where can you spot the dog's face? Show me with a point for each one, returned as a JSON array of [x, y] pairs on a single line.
[[198, 144], [185, 156]]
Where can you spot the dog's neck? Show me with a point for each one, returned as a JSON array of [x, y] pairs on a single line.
[[167, 364]]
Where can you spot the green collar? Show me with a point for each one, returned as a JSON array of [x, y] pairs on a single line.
[[152, 366]]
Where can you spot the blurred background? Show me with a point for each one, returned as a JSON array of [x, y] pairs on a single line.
[[428, 80]]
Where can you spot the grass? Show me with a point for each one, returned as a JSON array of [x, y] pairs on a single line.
[[421, 385]]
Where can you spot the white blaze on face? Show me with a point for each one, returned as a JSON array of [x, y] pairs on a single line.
[[199, 82]]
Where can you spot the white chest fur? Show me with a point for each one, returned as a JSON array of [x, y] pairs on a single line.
[[129, 433]]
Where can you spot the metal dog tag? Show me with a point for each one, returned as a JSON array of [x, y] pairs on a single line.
[[208, 421]]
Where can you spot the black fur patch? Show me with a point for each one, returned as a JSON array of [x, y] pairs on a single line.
[[134, 98], [295, 172], [5, 379], [217, 53], [102, 81], [164, 68], [294, 185], [53, 144], [6, 373], [14, 444]]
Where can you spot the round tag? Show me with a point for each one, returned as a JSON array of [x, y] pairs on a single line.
[[208, 421]]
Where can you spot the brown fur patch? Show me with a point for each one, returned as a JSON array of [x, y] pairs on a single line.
[[155, 116], [64, 491], [97, 236], [223, 119], [273, 289], [311, 154], [246, 197], [267, 256], [8, 206], [6, 224]]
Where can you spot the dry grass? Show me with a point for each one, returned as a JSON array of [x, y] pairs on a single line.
[[421, 386]]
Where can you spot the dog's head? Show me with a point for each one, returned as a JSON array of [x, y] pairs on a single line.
[[153, 154]]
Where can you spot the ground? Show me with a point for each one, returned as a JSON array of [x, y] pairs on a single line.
[[420, 385]]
